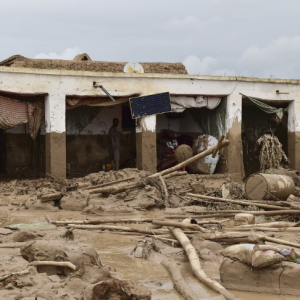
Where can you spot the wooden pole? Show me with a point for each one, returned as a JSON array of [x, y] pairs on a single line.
[[203, 154], [109, 183], [65, 264], [248, 203], [278, 241], [221, 139], [180, 225], [103, 221], [121, 228]]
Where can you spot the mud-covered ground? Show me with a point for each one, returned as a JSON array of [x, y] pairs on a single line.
[[103, 256]]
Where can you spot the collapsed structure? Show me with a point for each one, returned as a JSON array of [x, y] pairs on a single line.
[[68, 118]]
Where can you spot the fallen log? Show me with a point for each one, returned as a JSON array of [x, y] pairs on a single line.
[[247, 203], [196, 265], [108, 183], [180, 225], [198, 156], [51, 197], [65, 264], [180, 284]]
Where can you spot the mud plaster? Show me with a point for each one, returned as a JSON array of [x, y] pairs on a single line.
[[234, 152], [56, 154], [146, 151], [294, 149]]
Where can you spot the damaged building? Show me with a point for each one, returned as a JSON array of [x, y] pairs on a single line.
[[54, 120]]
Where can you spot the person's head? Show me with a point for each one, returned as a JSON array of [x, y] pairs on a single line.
[[115, 122]]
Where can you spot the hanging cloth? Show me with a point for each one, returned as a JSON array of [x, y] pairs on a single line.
[[267, 108]]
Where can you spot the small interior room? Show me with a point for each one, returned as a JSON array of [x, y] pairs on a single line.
[[256, 123]]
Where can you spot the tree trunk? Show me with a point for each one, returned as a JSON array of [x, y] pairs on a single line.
[[196, 266], [180, 284]]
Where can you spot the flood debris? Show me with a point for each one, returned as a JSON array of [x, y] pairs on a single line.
[[169, 218]]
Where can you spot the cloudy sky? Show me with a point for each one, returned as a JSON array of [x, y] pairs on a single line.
[[259, 38]]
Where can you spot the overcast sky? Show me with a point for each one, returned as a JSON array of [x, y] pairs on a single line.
[[259, 38]]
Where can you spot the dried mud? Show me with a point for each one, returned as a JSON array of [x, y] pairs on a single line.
[[109, 265]]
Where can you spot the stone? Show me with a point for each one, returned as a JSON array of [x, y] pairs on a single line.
[[243, 219]]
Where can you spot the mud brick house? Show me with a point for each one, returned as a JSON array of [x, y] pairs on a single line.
[[53, 120]]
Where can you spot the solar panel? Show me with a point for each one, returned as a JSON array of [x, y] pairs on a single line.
[[150, 105]]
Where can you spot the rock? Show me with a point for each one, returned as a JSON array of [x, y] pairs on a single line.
[[23, 236], [243, 219], [118, 289], [76, 200], [5, 231]]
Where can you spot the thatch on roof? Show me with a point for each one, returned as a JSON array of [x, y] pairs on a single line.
[[88, 65]]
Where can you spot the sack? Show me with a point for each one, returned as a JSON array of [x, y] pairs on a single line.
[[256, 259]]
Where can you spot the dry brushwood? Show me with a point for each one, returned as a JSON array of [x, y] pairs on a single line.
[[271, 153]]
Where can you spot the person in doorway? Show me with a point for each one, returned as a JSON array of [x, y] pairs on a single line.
[[114, 144]]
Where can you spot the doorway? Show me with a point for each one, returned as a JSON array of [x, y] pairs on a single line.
[[256, 123], [2, 152]]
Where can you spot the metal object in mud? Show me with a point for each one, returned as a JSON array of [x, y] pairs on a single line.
[[269, 187]]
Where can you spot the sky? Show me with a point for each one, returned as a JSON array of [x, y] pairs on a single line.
[[254, 38]]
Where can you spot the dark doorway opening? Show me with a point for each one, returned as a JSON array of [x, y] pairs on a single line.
[[2, 152], [255, 123]]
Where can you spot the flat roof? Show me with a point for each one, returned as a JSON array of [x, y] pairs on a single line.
[[54, 72]]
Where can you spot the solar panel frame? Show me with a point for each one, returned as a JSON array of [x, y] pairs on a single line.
[[148, 105]]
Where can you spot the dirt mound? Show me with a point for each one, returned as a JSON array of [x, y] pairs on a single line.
[[76, 200]]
